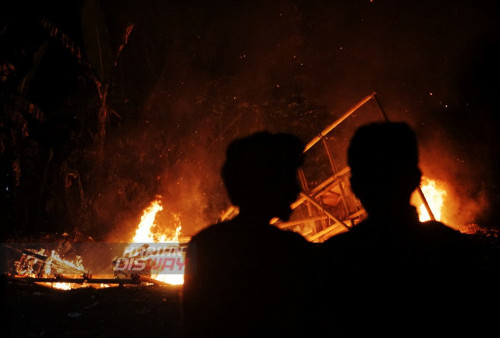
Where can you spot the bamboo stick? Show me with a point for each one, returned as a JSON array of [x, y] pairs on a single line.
[[320, 187], [334, 227], [285, 225], [324, 232], [317, 205], [338, 121]]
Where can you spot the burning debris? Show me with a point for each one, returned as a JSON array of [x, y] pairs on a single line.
[[164, 255], [150, 258]]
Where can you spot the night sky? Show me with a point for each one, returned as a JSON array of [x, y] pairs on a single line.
[[192, 75]]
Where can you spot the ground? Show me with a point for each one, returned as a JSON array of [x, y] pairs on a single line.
[[130, 311]]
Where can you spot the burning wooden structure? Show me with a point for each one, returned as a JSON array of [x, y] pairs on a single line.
[[329, 207]]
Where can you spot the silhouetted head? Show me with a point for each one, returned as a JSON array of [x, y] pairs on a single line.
[[383, 158], [260, 173]]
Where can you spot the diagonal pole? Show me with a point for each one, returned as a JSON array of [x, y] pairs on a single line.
[[419, 188]]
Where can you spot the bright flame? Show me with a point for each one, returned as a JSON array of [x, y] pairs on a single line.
[[145, 234], [435, 195], [61, 286]]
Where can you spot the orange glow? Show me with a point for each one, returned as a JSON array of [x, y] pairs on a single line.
[[435, 194], [60, 286]]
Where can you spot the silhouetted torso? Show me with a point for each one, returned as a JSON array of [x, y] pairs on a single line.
[[402, 244], [248, 281], [399, 277], [396, 276]]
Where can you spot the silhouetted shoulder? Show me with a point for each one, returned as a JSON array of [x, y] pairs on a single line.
[[288, 236], [213, 231], [440, 229], [443, 236], [233, 228]]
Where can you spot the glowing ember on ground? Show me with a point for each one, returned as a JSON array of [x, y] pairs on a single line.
[[435, 195], [60, 286]]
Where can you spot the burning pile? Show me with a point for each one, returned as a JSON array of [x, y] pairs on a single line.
[[42, 263], [151, 257]]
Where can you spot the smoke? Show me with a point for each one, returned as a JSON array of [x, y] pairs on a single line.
[[203, 74]]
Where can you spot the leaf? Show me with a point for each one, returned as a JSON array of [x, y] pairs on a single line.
[[128, 30]]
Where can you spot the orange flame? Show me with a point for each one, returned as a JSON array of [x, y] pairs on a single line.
[[435, 194], [146, 233]]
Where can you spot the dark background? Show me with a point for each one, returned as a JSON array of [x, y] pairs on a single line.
[[191, 75]]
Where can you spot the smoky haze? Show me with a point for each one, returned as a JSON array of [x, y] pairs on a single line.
[[194, 75], [225, 69]]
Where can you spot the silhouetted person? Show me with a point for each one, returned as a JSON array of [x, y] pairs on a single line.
[[392, 275], [245, 277]]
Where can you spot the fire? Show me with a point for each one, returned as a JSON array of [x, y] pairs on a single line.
[[56, 261], [163, 261], [43, 263], [143, 233], [146, 233], [435, 194], [60, 286]]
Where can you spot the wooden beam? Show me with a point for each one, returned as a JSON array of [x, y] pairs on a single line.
[[324, 232], [321, 187], [317, 205], [284, 225]]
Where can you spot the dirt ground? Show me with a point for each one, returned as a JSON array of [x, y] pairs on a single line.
[[130, 311]]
